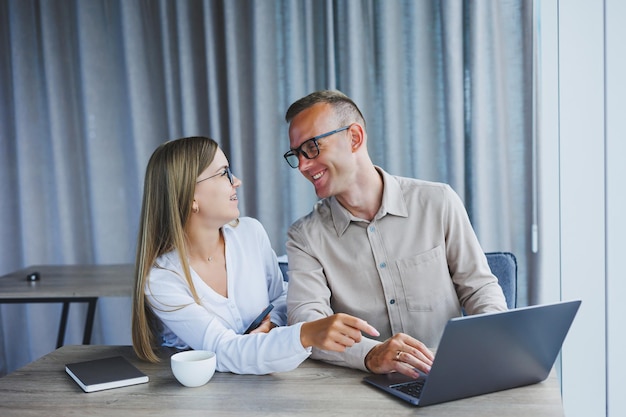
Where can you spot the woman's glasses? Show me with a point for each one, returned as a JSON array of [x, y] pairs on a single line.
[[225, 172]]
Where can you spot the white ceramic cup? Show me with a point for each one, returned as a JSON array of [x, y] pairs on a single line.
[[193, 368]]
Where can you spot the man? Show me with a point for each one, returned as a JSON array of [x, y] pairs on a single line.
[[399, 253]]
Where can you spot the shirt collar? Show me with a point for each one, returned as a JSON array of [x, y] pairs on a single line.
[[392, 203]]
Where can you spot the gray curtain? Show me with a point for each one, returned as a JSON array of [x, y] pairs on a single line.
[[88, 89]]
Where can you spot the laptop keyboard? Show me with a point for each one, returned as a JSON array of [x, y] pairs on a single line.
[[413, 388]]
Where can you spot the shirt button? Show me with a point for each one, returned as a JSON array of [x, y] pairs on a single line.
[[372, 229], [392, 301], [383, 265]]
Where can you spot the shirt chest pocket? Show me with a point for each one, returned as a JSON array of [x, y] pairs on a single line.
[[425, 279]]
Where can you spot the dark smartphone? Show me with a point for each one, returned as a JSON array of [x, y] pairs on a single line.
[[257, 322]]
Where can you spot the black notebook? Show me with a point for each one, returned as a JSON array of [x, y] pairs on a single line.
[[107, 373]]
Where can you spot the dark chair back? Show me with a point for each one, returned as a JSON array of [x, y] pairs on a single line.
[[504, 266], [284, 266]]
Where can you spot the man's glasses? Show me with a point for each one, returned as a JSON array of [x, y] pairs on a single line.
[[225, 172], [309, 148]]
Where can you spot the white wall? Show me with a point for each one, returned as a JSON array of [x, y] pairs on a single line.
[[582, 146], [616, 204]]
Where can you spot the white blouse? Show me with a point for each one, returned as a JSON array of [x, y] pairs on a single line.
[[254, 280]]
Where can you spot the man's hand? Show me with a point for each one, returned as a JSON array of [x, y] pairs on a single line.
[[400, 353], [336, 332]]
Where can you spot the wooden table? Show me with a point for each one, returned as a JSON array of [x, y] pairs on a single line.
[[68, 284], [313, 389]]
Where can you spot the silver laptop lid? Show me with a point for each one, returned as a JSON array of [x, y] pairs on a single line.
[[494, 351]]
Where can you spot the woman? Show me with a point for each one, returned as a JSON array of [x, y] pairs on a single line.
[[203, 274]]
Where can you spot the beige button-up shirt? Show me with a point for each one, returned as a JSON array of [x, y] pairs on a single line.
[[409, 270]]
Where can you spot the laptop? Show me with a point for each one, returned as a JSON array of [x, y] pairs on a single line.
[[486, 353]]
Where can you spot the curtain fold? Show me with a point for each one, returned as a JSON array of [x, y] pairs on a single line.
[[88, 89]]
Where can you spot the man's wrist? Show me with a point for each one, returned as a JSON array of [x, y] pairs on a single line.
[[365, 360]]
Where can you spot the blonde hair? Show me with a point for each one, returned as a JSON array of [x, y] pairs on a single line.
[[168, 193]]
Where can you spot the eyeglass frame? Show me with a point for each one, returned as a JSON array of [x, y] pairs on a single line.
[[226, 171], [298, 151]]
